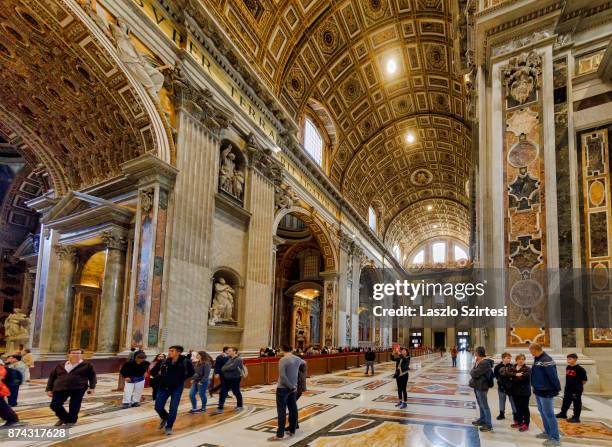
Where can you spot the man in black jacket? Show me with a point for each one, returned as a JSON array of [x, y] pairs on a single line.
[[575, 378], [370, 358], [70, 380], [218, 374], [503, 386], [172, 374]]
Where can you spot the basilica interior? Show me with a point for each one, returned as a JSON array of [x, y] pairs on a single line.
[[239, 172]]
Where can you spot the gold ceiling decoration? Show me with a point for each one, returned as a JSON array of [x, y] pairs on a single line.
[[427, 219], [64, 101], [336, 54]]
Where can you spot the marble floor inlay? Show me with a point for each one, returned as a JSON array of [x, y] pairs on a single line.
[[344, 409]]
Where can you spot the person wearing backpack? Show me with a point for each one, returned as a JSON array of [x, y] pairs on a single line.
[[233, 371], [15, 377], [482, 380], [6, 412], [172, 374]]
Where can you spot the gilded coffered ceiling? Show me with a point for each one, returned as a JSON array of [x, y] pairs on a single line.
[[64, 102], [336, 55]]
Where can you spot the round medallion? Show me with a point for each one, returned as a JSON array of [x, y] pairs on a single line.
[[421, 177], [522, 153], [526, 293], [597, 193]]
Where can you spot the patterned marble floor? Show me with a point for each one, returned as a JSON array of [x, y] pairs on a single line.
[[343, 409]]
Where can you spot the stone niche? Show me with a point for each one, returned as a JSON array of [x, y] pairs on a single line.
[[224, 328]]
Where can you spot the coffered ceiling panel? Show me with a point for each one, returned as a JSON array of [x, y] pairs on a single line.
[[382, 69]]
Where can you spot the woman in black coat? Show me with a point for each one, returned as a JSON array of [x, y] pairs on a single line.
[[520, 390]]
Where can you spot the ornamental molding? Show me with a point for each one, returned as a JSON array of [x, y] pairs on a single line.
[[522, 75], [113, 240]]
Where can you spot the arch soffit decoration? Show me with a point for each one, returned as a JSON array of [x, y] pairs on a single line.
[[317, 227], [427, 219], [304, 285], [335, 54], [68, 69]]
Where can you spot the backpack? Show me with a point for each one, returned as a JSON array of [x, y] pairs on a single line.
[[244, 372], [490, 377], [13, 377]]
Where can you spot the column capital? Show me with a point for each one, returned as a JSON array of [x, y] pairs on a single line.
[[198, 101], [113, 241], [66, 252]]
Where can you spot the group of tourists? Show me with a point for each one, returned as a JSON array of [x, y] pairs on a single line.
[[516, 382]]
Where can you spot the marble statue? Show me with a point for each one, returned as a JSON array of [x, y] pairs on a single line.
[[16, 330], [149, 76], [17, 324], [222, 308], [231, 179]]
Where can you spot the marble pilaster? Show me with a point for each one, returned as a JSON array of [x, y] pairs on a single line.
[[155, 180], [63, 308], [330, 308], [111, 300]]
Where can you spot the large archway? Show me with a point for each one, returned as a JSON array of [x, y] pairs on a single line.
[[303, 255]]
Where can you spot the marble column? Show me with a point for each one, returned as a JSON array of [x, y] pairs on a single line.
[[330, 306], [111, 299], [63, 308]]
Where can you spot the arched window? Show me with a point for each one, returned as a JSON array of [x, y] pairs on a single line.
[[419, 258], [372, 218], [313, 141], [397, 252], [439, 251]]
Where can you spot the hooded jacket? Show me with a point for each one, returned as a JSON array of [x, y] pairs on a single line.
[[481, 373], [544, 377]]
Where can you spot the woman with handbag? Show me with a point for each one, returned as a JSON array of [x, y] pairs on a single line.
[[401, 377]]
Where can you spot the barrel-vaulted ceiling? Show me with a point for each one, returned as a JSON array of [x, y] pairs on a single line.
[[336, 54]]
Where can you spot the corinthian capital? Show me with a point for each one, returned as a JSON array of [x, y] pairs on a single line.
[[196, 100], [66, 252], [113, 240]]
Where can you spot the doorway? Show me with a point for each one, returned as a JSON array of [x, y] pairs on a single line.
[[439, 340], [463, 340]]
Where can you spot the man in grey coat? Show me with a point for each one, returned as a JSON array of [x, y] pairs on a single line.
[[286, 390]]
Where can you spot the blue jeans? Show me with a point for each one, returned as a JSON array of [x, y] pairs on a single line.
[[483, 407], [160, 404], [285, 399], [198, 388], [546, 408], [502, 402]]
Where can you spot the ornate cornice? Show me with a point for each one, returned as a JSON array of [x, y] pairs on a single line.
[[262, 159]]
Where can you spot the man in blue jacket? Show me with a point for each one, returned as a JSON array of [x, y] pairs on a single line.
[[546, 386], [482, 380]]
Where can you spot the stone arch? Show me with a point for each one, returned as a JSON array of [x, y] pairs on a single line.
[[328, 249], [64, 65]]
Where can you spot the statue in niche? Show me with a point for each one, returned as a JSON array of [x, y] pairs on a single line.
[[140, 66], [231, 179], [222, 309]]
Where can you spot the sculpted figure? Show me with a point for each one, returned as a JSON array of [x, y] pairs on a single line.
[[228, 169], [150, 77], [222, 308], [17, 325]]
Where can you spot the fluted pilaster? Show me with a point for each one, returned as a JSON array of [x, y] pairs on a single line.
[[63, 307]]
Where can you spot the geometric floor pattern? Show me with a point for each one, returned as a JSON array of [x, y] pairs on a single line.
[[345, 409]]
